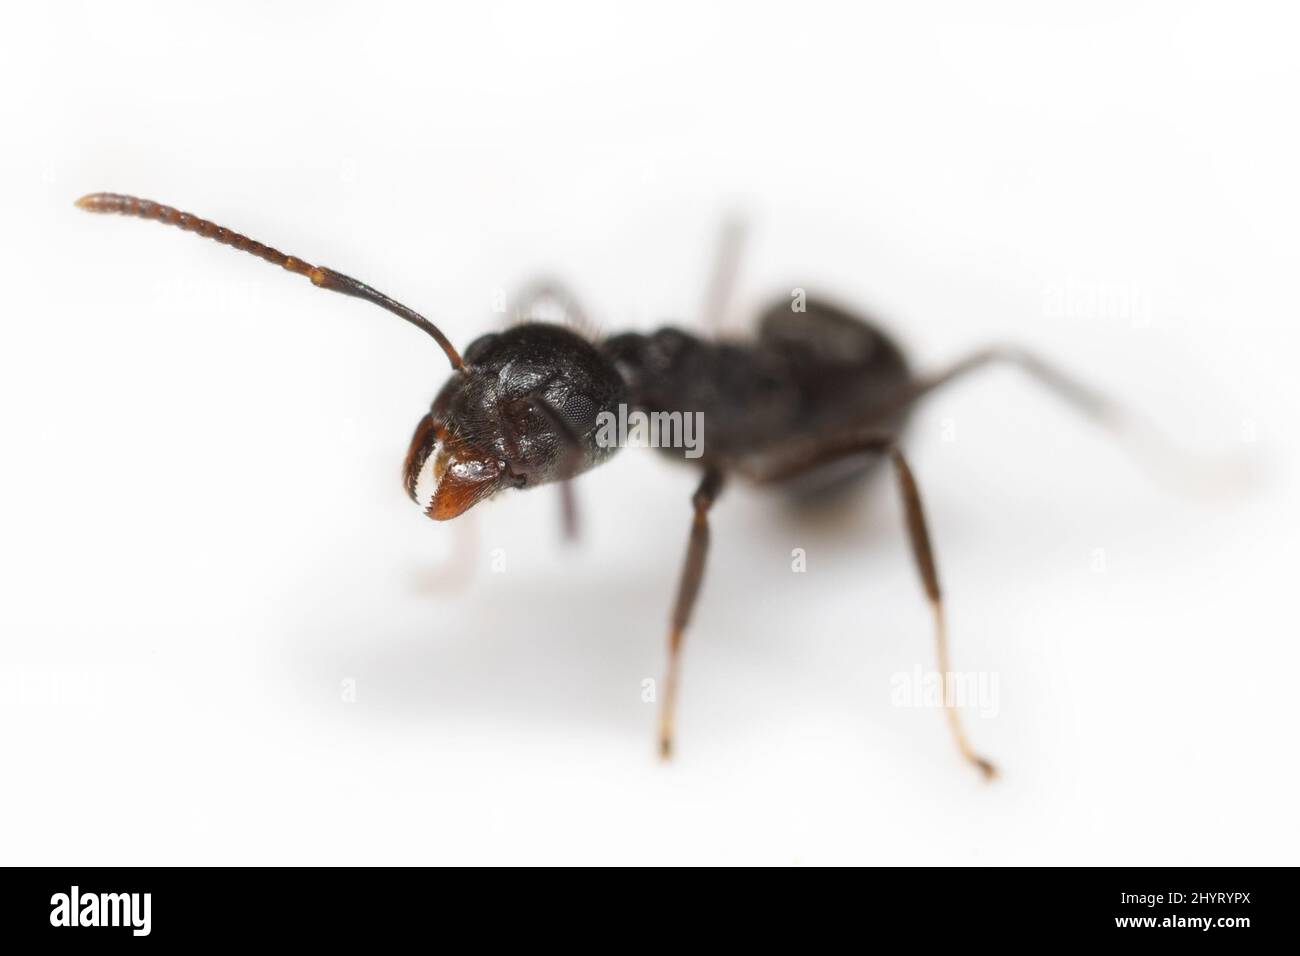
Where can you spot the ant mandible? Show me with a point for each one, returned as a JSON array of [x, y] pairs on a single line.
[[819, 394]]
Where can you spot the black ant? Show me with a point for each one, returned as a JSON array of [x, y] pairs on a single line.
[[819, 394]]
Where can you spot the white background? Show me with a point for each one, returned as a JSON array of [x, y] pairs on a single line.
[[204, 535]]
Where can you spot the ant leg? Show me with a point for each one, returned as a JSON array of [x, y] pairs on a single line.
[[722, 280], [1086, 400], [1162, 458], [924, 554], [687, 591], [549, 300], [545, 299], [571, 461], [454, 574], [922, 550], [568, 511]]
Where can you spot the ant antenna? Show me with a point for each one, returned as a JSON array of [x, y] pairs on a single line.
[[319, 275]]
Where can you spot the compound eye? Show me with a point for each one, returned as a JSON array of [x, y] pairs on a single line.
[[579, 413]]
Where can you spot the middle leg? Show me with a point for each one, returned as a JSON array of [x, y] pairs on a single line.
[[922, 550]]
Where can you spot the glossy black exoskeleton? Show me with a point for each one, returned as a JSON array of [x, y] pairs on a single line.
[[815, 398]]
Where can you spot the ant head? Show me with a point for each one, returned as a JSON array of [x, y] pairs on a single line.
[[522, 412]]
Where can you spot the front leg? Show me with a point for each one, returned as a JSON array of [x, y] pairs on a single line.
[[687, 590], [548, 299]]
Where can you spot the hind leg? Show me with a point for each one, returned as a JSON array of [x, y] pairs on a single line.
[[1083, 398], [1175, 466]]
